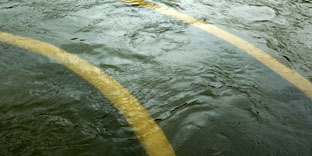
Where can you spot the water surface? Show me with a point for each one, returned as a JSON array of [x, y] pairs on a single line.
[[209, 97]]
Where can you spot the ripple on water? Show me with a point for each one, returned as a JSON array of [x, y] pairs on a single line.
[[253, 13], [208, 97]]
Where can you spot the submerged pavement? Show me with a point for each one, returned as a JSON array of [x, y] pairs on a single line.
[[209, 97]]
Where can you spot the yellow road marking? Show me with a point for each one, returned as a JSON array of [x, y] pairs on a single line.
[[150, 135], [290, 75]]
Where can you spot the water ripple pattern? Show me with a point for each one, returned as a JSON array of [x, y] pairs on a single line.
[[208, 97]]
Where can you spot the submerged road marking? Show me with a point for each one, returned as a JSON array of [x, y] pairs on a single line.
[[290, 75], [150, 135]]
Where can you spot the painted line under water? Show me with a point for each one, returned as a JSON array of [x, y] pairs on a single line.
[[290, 75], [148, 132]]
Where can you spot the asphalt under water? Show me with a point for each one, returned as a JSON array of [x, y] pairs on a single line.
[[209, 97]]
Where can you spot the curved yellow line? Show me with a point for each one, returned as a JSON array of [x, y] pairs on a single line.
[[290, 75], [150, 135]]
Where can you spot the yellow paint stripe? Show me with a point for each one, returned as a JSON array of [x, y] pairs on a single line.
[[290, 75], [150, 135]]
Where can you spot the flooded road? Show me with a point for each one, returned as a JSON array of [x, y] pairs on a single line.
[[209, 97]]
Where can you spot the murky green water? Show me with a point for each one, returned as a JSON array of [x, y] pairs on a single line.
[[208, 97]]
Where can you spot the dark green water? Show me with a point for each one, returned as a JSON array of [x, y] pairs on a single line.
[[208, 97]]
